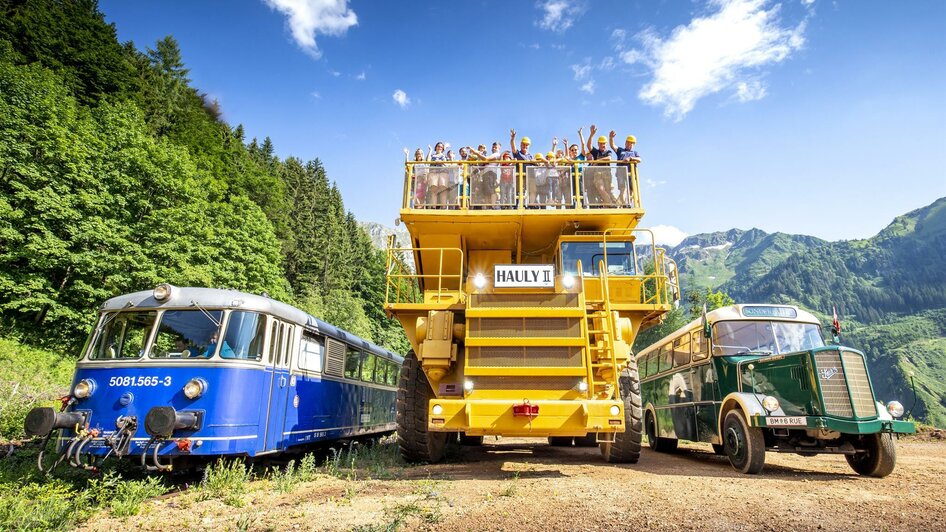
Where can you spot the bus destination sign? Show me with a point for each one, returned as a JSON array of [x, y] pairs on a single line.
[[763, 311], [523, 276]]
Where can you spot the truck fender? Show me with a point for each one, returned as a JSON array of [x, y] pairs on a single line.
[[749, 403]]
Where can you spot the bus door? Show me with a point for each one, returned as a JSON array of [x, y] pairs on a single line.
[[683, 411], [705, 391], [279, 386]]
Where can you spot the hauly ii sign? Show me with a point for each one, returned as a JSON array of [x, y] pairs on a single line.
[[523, 276]]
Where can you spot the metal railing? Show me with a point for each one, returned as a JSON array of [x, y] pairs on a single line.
[[498, 185], [405, 285]]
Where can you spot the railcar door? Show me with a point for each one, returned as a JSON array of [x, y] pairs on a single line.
[[279, 385]]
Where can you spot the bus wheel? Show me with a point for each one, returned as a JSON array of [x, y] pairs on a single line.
[[588, 440], [744, 445], [878, 458], [661, 445], [560, 441], [470, 440], [626, 447], [416, 443]]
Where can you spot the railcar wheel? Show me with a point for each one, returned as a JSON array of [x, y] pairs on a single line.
[[417, 444], [879, 457], [470, 440], [626, 447], [560, 441], [661, 445], [745, 445]]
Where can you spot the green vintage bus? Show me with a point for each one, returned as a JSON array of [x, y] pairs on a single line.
[[755, 378]]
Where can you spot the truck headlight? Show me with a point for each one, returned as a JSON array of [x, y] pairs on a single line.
[[582, 386], [479, 281], [770, 403], [437, 410], [195, 388], [84, 388], [895, 409], [615, 410], [468, 385], [568, 281]]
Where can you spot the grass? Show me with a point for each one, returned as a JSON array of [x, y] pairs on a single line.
[[29, 377], [227, 480]]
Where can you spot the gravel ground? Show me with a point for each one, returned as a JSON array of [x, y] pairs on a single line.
[[520, 484]]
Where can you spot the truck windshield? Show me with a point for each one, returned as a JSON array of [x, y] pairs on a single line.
[[620, 257], [764, 337], [122, 335]]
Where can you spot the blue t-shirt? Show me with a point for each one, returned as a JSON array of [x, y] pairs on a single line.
[[519, 156], [626, 155]]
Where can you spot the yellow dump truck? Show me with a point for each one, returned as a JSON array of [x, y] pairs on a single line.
[[522, 289]]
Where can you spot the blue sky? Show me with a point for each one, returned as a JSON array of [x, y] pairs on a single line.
[[803, 116]]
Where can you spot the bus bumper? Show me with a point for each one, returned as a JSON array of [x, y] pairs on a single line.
[[844, 426], [499, 417]]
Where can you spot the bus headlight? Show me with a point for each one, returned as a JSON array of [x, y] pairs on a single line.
[[895, 409], [479, 281], [195, 388], [437, 410], [615, 410], [161, 292], [84, 388], [770, 403], [568, 281]]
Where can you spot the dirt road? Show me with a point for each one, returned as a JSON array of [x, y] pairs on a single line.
[[520, 485]]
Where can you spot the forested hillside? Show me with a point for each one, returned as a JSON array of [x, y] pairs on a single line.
[[117, 174], [890, 291]]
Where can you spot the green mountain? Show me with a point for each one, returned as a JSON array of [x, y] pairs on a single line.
[[890, 291]]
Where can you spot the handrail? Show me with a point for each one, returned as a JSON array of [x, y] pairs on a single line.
[[456, 194], [397, 272]]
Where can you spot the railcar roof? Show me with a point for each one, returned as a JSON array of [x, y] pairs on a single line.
[[183, 297], [729, 313]]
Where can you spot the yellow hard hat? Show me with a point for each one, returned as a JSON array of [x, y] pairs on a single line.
[[538, 157], [526, 140], [550, 155], [630, 138], [602, 139]]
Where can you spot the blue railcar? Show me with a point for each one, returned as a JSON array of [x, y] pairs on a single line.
[[176, 374]]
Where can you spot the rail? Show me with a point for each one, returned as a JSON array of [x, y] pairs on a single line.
[[405, 285], [495, 185]]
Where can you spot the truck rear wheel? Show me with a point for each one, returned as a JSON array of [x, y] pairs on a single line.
[[417, 444], [626, 447], [744, 445], [879, 457]]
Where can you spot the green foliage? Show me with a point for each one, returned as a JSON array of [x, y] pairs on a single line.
[[123, 497], [29, 377], [50, 505], [678, 317], [226, 480]]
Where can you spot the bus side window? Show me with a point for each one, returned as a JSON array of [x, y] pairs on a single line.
[[650, 364], [381, 368], [642, 367], [273, 341], [698, 346], [681, 351], [666, 357]]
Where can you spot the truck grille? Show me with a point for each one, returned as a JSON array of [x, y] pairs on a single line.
[[524, 327], [568, 300], [517, 356], [525, 383], [835, 380]]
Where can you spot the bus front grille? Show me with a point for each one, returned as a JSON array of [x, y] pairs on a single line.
[[836, 377], [519, 356], [861, 396]]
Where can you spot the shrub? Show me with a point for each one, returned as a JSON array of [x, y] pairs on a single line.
[[226, 480]]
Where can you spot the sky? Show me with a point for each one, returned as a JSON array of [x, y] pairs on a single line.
[[814, 117]]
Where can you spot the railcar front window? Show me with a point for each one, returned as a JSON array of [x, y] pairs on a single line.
[[245, 333], [189, 334], [123, 336], [764, 337], [620, 257]]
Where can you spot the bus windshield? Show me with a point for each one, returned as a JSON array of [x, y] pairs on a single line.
[[620, 257], [764, 337]]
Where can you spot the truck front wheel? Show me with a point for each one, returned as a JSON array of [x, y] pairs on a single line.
[[878, 457], [417, 444], [626, 447]]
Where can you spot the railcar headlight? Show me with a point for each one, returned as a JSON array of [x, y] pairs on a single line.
[[770, 403], [161, 292], [84, 388], [479, 281], [615, 410], [437, 410], [568, 281], [895, 409], [195, 388]]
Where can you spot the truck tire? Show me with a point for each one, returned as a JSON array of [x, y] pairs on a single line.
[[626, 447], [417, 444], [879, 457], [661, 445], [745, 445]]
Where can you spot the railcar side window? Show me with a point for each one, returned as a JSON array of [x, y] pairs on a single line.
[[310, 353], [245, 332], [273, 341], [681, 351], [123, 336], [352, 363], [367, 367]]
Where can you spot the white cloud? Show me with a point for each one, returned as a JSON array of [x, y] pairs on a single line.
[[581, 71], [589, 87], [653, 183], [720, 51], [335, 73], [607, 63], [667, 235], [316, 95], [749, 91], [362, 76], [306, 18], [401, 98], [559, 15]]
